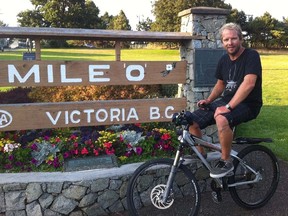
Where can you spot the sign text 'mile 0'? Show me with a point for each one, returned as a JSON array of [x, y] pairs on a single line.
[[53, 73]]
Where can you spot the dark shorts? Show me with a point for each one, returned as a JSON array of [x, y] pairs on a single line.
[[242, 113]]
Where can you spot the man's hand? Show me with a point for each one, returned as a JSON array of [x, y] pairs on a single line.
[[221, 110], [203, 103]]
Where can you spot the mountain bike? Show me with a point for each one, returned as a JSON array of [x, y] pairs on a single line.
[[168, 186]]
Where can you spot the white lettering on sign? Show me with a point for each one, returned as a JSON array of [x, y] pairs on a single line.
[[107, 115], [155, 112], [95, 74], [64, 78], [54, 120], [12, 73], [169, 108], [131, 68], [5, 118], [101, 115], [50, 73]]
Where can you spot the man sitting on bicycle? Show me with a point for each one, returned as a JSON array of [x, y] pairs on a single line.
[[235, 98]]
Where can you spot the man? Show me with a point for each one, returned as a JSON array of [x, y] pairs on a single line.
[[235, 98]]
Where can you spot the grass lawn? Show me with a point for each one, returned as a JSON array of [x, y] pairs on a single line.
[[272, 121]]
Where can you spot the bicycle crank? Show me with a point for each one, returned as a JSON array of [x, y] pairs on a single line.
[[216, 192], [156, 197]]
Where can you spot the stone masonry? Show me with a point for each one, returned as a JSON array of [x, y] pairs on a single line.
[[205, 23], [81, 193]]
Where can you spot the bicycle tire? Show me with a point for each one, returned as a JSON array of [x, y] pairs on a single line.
[[149, 180], [255, 195]]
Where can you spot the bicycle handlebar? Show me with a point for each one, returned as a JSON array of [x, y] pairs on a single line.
[[183, 118]]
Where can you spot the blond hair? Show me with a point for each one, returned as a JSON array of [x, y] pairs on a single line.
[[232, 26]]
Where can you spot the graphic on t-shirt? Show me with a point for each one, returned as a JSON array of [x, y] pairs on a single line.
[[231, 83]]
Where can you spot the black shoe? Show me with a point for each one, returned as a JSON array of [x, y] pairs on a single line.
[[222, 168]]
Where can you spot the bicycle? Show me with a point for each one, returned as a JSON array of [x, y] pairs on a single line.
[[168, 186]]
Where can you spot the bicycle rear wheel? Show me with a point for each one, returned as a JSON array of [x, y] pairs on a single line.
[[148, 183], [255, 195]]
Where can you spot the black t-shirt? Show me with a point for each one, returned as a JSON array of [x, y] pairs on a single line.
[[233, 73]]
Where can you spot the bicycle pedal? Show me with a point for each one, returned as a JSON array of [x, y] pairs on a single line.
[[216, 197]]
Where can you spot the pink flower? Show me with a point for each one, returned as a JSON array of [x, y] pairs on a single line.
[[109, 151], [88, 142], [96, 152], [108, 145], [76, 152], [73, 137], [166, 136], [121, 138], [84, 151]]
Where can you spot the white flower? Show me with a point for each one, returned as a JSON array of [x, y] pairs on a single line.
[[9, 147]]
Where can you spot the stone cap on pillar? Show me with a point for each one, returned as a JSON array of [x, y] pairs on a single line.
[[204, 10]]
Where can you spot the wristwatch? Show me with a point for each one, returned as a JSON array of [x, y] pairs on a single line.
[[228, 107]]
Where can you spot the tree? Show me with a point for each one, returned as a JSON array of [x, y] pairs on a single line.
[[107, 21], [166, 12], [120, 22], [144, 25], [61, 14], [238, 17], [260, 30]]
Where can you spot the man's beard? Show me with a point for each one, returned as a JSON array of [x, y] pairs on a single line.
[[236, 51]]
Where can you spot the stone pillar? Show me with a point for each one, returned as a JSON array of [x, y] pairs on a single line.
[[204, 24]]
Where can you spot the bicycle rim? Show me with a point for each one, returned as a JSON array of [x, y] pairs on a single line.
[[147, 185], [255, 195]]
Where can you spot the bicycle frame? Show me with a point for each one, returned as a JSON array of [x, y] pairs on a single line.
[[193, 141]]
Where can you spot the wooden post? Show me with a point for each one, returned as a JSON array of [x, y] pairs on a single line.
[[37, 49], [118, 50]]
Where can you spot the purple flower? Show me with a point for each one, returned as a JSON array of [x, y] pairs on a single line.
[[34, 147], [139, 150], [66, 155], [56, 163], [11, 157], [128, 154], [46, 138], [8, 166], [34, 161], [19, 164]]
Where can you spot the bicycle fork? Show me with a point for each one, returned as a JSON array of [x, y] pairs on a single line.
[[171, 177]]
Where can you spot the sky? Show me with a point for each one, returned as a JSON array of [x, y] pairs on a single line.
[[136, 10]]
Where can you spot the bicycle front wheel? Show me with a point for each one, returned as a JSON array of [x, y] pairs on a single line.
[[147, 185], [255, 195]]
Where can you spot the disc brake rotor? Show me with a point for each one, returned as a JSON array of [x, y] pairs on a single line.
[[156, 197]]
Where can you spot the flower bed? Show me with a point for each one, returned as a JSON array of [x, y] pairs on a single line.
[[46, 150]]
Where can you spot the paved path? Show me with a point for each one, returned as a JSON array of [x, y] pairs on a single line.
[[277, 206]]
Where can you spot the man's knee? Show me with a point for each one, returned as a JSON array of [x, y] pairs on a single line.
[[222, 123], [194, 127]]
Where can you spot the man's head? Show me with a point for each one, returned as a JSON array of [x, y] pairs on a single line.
[[232, 38]]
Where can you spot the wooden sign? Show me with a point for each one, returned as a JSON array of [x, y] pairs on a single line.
[[73, 73], [87, 113]]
